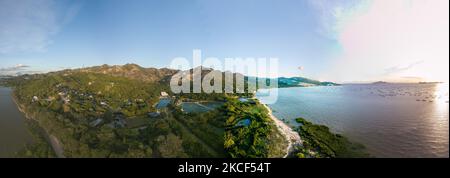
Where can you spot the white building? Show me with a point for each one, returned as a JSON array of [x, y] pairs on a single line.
[[164, 94]]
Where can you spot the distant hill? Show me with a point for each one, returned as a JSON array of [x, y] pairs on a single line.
[[284, 82], [132, 71], [5, 76], [164, 75], [380, 82], [301, 81]]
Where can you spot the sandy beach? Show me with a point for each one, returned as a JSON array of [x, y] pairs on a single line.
[[292, 137]]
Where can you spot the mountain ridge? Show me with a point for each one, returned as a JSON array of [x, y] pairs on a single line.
[[163, 75]]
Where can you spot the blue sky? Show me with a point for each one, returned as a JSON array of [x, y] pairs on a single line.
[[45, 35]]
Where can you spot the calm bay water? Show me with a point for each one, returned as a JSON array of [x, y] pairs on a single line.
[[13, 131], [391, 120]]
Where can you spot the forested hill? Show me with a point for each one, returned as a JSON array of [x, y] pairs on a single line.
[[163, 75], [131, 71], [114, 111]]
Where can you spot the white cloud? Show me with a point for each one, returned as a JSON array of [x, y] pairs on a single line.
[[334, 14], [397, 69], [394, 33], [29, 25], [17, 69]]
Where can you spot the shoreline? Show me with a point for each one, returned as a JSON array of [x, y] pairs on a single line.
[[54, 142], [291, 136]]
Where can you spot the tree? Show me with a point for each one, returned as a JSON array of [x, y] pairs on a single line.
[[170, 146], [229, 142]]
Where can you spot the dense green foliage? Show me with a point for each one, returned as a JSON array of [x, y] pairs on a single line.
[[40, 148], [94, 114], [253, 140], [207, 128], [221, 95], [318, 141], [172, 134], [90, 94]]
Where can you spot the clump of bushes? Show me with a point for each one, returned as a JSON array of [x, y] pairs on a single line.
[[318, 141]]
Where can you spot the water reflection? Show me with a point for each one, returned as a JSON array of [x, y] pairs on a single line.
[[13, 131], [392, 120]]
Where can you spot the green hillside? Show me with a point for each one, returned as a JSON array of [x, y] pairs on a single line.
[[115, 112]]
